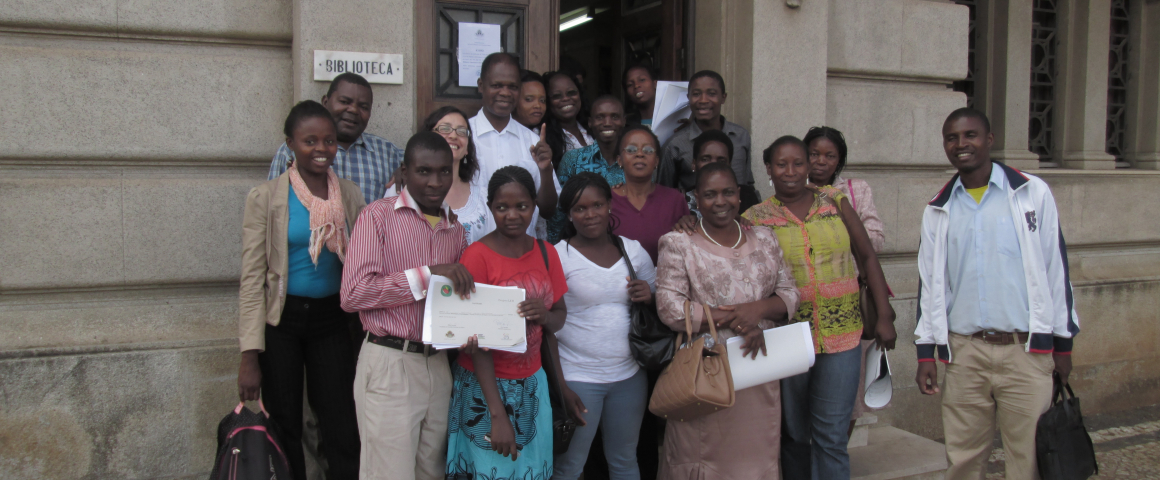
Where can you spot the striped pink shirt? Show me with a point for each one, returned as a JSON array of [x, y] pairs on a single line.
[[386, 272]]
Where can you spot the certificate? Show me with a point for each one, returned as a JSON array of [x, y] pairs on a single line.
[[491, 314]]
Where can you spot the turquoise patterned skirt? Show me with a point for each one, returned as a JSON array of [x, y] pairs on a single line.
[[530, 411]]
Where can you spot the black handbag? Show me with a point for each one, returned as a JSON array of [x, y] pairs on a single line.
[[563, 427], [1063, 448], [650, 340]]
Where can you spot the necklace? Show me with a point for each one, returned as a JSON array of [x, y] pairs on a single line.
[[706, 232]]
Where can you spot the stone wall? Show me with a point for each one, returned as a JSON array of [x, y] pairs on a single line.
[[132, 133], [880, 72], [133, 130]]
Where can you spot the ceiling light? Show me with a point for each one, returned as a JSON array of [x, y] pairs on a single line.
[[574, 22]]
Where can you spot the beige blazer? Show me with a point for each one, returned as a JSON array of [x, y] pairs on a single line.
[[265, 251]]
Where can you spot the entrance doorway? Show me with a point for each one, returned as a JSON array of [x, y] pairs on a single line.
[[604, 37], [601, 38]]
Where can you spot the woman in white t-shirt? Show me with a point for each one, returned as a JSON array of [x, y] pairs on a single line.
[[594, 353]]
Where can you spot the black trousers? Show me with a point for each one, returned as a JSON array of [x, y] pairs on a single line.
[[313, 337]]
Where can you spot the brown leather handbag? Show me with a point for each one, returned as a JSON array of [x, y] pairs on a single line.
[[698, 381]]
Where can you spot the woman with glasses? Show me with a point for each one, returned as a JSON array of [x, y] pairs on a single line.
[[470, 206], [646, 210]]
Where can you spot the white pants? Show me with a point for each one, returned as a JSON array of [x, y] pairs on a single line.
[[402, 401]]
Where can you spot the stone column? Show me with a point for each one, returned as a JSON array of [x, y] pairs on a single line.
[[383, 26], [773, 58], [1142, 133], [788, 74], [1081, 90], [1002, 91]]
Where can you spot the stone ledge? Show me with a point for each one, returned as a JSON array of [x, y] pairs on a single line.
[[87, 350], [241, 19], [222, 38], [893, 453]]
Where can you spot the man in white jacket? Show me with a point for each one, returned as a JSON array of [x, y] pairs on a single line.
[[995, 302]]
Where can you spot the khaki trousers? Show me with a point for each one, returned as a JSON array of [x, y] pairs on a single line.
[[986, 382], [402, 400]]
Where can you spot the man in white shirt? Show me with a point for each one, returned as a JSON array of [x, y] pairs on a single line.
[[500, 141]]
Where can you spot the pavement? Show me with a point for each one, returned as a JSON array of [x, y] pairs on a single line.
[[1127, 445]]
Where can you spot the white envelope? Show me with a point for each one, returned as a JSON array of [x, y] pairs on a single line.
[[790, 352]]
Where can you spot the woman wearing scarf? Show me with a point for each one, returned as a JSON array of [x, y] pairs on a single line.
[[295, 234]]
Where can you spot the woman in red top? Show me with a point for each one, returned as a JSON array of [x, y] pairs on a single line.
[[500, 406]]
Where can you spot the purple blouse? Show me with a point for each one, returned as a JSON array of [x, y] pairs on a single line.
[[663, 207]]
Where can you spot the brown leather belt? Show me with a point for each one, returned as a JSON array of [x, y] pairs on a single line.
[[401, 344], [1001, 338]]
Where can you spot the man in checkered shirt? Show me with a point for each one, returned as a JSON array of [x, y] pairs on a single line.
[[365, 159]]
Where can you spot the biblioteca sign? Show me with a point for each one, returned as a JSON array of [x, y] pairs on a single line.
[[375, 67]]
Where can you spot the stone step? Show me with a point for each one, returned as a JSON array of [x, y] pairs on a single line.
[[861, 433], [891, 453]]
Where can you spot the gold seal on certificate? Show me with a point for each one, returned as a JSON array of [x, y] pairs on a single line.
[[491, 314]]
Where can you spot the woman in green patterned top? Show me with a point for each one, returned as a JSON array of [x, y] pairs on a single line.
[[820, 249]]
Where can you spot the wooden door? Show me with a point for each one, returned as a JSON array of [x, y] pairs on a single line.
[[659, 35], [529, 30]]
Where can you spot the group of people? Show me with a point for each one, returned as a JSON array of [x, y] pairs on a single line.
[[544, 191]]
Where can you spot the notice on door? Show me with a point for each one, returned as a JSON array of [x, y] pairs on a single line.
[[375, 67], [476, 42]]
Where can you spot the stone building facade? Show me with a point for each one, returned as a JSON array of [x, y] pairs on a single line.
[[132, 131]]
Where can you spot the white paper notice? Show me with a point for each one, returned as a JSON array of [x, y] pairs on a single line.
[[672, 105], [791, 352], [476, 42]]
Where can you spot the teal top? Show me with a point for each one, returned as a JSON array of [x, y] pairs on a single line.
[[304, 279]]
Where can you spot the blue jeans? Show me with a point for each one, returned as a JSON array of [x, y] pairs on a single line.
[[816, 408], [617, 408]]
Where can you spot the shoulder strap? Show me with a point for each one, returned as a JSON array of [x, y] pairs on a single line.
[[627, 261], [544, 252], [853, 246], [548, 346], [850, 187]]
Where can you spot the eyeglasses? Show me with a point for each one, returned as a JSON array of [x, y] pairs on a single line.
[[446, 129], [633, 150]]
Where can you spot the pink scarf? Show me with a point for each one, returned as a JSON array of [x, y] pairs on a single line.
[[327, 217]]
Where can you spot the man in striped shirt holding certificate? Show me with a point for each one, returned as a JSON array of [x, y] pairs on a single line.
[[403, 388]]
